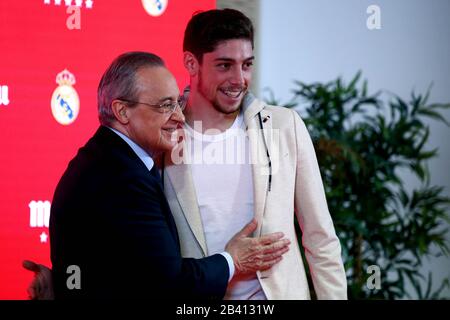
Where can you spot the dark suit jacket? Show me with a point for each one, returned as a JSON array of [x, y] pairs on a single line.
[[109, 217]]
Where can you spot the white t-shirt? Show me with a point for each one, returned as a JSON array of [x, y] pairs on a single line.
[[222, 175]]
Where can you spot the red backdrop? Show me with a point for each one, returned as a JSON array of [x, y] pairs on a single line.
[[36, 44]]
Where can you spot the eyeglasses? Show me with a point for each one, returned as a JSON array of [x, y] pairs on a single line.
[[166, 107]]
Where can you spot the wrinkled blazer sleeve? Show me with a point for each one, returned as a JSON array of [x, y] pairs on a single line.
[[322, 247]]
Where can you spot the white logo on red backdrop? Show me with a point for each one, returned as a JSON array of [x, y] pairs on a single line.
[[155, 8], [4, 99], [40, 217], [79, 3], [65, 102]]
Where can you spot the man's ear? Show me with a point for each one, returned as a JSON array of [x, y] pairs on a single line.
[[190, 63], [120, 110]]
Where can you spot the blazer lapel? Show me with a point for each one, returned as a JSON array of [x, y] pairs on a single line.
[[180, 176], [259, 159]]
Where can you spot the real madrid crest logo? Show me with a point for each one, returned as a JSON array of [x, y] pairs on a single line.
[[65, 101], [155, 7]]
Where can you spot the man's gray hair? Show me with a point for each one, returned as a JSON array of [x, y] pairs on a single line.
[[119, 81]]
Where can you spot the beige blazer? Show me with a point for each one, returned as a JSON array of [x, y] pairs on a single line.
[[296, 190]]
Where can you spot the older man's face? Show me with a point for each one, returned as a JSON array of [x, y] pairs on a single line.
[[153, 130]]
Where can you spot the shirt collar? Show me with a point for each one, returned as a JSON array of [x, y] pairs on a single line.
[[141, 153]]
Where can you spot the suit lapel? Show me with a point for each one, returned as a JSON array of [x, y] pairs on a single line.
[[106, 138], [180, 176], [259, 159]]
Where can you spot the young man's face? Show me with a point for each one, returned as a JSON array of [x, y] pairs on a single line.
[[225, 74]]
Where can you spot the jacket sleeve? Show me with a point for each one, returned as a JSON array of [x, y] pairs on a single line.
[[322, 247]]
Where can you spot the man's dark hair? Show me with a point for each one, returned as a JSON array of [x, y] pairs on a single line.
[[119, 81], [206, 29]]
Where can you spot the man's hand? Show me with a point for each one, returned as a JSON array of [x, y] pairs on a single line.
[[41, 288], [252, 254]]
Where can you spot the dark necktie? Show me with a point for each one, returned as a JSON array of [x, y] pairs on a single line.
[[154, 172]]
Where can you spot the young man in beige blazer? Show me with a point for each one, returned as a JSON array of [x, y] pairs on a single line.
[[279, 181]]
